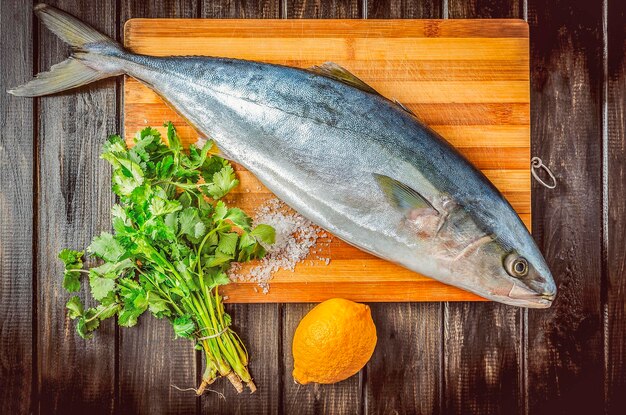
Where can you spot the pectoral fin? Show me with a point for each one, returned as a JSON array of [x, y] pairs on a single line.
[[404, 197]]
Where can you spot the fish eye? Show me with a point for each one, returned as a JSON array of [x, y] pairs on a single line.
[[516, 266], [520, 267]]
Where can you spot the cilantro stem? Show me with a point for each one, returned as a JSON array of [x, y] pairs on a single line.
[[206, 237], [110, 307], [243, 352], [204, 320], [234, 343], [220, 311], [186, 186], [225, 343], [158, 287]]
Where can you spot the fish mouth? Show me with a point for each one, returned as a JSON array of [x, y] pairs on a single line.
[[525, 297], [538, 301]]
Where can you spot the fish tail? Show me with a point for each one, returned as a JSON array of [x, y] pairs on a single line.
[[94, 56]]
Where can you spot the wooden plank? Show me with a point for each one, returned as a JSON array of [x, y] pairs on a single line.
[[410, 70], [331, 49], [615, 352], [150, 359], [485, 116], [400, 9], [239, 9], [485, 9], [314, 292], [75, 198], [316, 9], [482, 342], [405, 373], [491, 30], [565, 353], [152, 365], [482, 359], [259, 325], [16, 213], [157, 8]]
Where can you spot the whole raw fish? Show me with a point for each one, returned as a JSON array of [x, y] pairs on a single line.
[[350, 160]]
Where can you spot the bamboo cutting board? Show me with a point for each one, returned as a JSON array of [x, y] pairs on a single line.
[[467, 79]]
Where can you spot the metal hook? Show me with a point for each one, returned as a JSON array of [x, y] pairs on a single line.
[[537, 163]]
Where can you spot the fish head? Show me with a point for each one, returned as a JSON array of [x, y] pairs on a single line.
[[505, 275], [503, 265], [479, 244]]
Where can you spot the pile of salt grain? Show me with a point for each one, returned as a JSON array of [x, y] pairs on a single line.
[[295, 238]]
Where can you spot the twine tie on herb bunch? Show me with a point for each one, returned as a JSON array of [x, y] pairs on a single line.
[[212, 336], [535, 164]]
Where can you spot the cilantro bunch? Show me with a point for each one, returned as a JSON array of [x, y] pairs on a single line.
[[174, 240]]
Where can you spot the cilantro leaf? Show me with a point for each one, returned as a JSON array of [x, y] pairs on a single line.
[[183, 326], [165, 167], [128, 316], [239, 218], [217, 278], [100, 286], [106, 247], [71, 257], [113, 267], [264, 233], [107, 311], [172, 138], [75, 307], [71, 281], [127, 174], [197, 159], [159, 206], [249, 248], [227, 243], [157, 305], [140, 151], [115, 145], [87, 323], [220, 211], [148, 133], [222, 182], [141, 300], [171, 221], [72, 261], [218, 259], [190, 223]]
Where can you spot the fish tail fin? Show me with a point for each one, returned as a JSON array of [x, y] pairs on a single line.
[[94, 56]]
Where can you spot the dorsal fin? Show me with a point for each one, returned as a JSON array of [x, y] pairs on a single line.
[[401, 195], [401, 105], [341, 74], [338, 73]]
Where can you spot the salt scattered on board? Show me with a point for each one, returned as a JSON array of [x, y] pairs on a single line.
[[296, 236]]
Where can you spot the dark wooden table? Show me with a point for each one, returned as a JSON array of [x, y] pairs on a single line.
[[431, 357]]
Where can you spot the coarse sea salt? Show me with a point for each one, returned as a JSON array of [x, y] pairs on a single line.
[[296, 236]]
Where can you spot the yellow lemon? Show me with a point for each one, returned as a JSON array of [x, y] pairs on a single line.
[[333, 342]]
